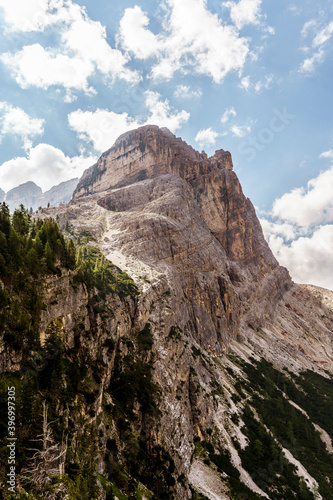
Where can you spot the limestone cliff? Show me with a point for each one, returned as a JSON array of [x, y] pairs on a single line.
[[206, 383], [183, 214]]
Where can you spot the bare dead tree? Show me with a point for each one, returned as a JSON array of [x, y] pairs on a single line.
[[48, 461]]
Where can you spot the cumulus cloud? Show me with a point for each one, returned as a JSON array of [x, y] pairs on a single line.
[[135, 36], [185, 92], [35, 66], [300, 230], [320, 39], [83, 50], [227, 114], [102, 127], [14, 121], [25, 16], [308, 206], [288, 231], [45, 165], [244, 12], [202, 44], [308, 258], [206, 137]]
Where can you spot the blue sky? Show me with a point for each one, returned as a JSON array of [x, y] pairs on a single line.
[[250, 76]]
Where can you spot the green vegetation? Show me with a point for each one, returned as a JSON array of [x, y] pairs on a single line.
[[145, 338], [133, 391], [263, 457], [95, 271], [222, 461], [175, 333], [29, 251], [63, 377]]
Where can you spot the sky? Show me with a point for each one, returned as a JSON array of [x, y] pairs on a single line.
[[250, 76]]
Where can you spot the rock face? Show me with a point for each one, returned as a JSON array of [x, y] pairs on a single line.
[[31, 196], [61, 193], [25, 194], [183, 214], [220, 309]]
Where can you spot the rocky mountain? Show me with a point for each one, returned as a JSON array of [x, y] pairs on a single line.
[[26, 193], [31, 196], [190, 367], [2, 195]]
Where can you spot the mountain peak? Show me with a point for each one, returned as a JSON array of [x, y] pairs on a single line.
[[144, 153]]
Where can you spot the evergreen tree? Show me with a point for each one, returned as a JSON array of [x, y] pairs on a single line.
[[21, 221], [49, 257], [33, 262]]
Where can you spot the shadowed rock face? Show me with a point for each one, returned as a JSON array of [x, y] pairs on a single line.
[[185, 215]]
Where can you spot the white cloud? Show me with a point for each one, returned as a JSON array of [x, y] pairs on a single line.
[[206, 137], [309, 64], [185, 92], [202, 43], [323, 36], [302, 236], [45, 165], [287, 231], [320, 40], [15, 121], [227, 114], [244, 12], [327, 154], [161, 113], [308, 27], [245, 83], [263, 84], [24, 15], [308, 207], [259, 86], [35, 66], [135, 36], [309, 259], [83, 50], [240, 130], [103, 127]]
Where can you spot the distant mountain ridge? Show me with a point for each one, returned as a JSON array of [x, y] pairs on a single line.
[[31, 196]]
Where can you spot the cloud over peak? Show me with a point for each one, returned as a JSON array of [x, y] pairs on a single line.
[[102, 127]]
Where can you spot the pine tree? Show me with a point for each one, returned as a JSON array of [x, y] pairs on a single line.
[[71, 254], [49, 257], [21, 221], [33, 262]]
